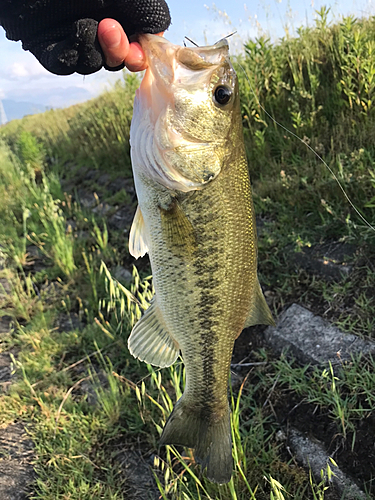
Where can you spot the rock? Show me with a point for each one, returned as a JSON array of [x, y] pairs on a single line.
[[311, 339], [122, 219], [5, 324], [5, 368], [103, 179], [102, 209], [34, 253], [70, 225], [68, 322], [311, 454], [7, 374], [16, 470], [50, 291], [68, 185], [122, 274], [86, 199], [91, 174], [121, 183], [4, 288], [6, 363], [36, 260], [88, 387], [329, 260], [261, 224]]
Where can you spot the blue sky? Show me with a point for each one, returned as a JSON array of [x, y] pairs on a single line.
[[23, 78]]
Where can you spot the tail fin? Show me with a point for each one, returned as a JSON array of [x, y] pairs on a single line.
[[209, 435]]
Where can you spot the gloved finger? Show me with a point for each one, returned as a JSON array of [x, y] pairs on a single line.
[[79, 51]]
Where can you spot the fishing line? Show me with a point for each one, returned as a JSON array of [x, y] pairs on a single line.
[[311, 149], [230, 34], [196, 45], [191, 41]]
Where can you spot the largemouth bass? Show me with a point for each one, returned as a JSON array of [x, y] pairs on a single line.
[[196, 220]]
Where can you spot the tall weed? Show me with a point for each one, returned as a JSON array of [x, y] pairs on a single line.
[[30, 210]]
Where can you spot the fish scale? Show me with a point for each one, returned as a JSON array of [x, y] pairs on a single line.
[[197, 223]]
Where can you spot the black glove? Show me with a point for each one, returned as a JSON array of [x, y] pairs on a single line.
[[62, 34]]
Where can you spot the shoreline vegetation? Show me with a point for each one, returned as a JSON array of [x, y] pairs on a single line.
[[70, 292]]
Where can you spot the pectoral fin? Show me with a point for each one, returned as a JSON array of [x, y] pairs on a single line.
[[137, 239], [150, 341], [178, 231], [260, 313]]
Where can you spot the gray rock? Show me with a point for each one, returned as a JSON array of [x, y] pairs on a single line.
[[50, 291], [121, 183], [16, 456], [103, 179], [91, 174], [34, 253], [70, 225], [68, 185], [102, 209], [5, 324], [6, 362], [261, 224], [97, 381], [4, 288], [68, 322], [5, 370], [36, 260], [122, 219], [312, 454], [122, 274], [311, 339], [87, 199]]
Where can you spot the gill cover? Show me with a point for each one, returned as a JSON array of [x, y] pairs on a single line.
[[178, 130]]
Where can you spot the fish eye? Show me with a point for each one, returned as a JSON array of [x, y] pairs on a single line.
[[222, 95]]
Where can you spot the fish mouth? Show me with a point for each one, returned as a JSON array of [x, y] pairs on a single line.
[[164, 58]]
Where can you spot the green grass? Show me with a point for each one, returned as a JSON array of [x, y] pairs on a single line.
[[82, 393], [347, 394]]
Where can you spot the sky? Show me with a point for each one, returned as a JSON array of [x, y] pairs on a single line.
[[22, 78]]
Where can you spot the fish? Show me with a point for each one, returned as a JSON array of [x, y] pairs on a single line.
[[195, 219]]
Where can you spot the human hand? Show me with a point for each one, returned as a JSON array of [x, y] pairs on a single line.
[[117, 49], [63, 34]]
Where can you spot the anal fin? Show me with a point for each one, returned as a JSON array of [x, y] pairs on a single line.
[[138, 246], [259, 313], [150, 341]]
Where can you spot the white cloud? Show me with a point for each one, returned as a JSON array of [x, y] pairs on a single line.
[[18, 70], [23, 66]]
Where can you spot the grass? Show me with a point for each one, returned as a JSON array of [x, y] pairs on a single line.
[[347, 394], [85, 397]]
